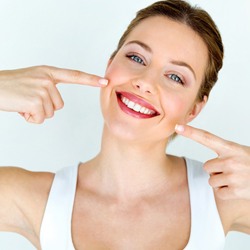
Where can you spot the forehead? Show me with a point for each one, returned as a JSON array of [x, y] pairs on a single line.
[[172, 40]]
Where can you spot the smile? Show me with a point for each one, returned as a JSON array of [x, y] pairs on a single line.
[[135, 106]]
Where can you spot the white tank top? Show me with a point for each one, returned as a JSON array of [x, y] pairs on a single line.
[[206, 228]]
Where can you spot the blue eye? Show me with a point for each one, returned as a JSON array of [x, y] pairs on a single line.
[[175, 78], [137, 59]]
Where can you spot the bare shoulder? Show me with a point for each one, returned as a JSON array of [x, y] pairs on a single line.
[[27, 183], [16, 174], [23, 198]]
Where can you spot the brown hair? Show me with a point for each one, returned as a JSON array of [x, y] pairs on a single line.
[[197, 19]]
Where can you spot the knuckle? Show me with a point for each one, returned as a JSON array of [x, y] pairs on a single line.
[[211, 181], [241, 150], [50, 114], [36, 104], [36, 108], [49, 111], [59, 105], [44, 68], [230, 146], [223, 193], [47, 82], [206, 167], [40, 67], [43, 93], [41, 70], [38, 120], [45, 75]]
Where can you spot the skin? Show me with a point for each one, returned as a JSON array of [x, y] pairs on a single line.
[[132, 182], [229, 177], [35, 95], [151, 81]]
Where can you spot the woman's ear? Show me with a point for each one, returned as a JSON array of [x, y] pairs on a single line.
[[198, 106]]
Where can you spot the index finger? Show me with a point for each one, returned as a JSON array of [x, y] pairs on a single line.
[[76, 76], [217, 144]]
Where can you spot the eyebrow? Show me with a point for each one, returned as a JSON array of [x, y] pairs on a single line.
[[179, 63], [143, 45], [183, 64]]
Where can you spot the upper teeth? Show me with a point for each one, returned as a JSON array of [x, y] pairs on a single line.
[[136, 107]]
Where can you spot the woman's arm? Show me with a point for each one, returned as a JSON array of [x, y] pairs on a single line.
[[31, 92], [23, 197]]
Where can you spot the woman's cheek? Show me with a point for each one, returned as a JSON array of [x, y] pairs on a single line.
[[117, 74], [175, 107]]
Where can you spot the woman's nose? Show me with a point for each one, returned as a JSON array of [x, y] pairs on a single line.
[[145, 86]]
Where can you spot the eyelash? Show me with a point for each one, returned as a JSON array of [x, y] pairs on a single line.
[[136, 59], [175, 78], [172, 77]]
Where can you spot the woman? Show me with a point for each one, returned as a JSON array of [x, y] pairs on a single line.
[[132, 195]]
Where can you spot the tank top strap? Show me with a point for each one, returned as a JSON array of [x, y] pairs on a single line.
[[56, 225], [207, 232]]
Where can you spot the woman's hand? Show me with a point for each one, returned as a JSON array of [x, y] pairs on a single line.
[[32, 92], [230, 171]]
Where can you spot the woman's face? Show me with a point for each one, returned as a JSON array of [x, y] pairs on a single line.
[[154, 80]]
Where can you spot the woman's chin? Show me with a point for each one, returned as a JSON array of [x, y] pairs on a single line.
[[129, 133]]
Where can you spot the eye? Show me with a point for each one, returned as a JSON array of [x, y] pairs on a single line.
[[136, 58], [175, 78]]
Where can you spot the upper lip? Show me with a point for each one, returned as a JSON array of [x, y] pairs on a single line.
[[136, 99]]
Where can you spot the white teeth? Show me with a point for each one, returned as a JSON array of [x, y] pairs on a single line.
[[136, 107], [131, 104], [142, 110]]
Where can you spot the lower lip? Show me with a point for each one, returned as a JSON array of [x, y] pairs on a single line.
[[131, 112]]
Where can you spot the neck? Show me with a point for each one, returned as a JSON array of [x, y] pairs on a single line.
[[130, 169]]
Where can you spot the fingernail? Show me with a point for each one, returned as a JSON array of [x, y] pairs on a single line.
[[179, 128], [103, 81]]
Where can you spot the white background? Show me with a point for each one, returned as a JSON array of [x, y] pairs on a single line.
[[81, 35]]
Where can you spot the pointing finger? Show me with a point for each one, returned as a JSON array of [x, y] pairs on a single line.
[[75, 76], [217, 144]]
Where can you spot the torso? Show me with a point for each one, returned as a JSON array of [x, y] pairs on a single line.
[[100, 222], [148, 223]]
